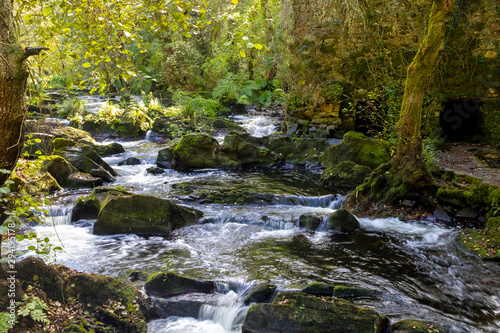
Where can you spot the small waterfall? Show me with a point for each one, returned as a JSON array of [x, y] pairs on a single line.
[[229, 312], [259, 126], [326, 201], [58, 215], [148, 135]]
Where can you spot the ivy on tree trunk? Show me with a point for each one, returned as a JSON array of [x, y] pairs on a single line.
[[407, 172]]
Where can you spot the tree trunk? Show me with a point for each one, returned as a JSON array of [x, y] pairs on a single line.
[[409, 152], [13, 81], [407, 172]]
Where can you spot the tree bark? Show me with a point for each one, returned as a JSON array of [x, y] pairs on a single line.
[[407, 172], [409, 152], [13, 83]]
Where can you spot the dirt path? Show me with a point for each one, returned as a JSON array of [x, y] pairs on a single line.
[[460, 158]]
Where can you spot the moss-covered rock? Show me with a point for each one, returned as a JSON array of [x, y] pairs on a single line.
[[68, 176], [297, 150], [61, 143], [88, 207], [345, 173], [310, 221], [165, 158], [483, 242], [142, 215], [343, 221], [195, 151], [325, 289], [109, 149], [297, 312], [261, 292], [417, 326], [35, 271], [172, 127], [235, 152], [171, 284], [84, 158], [356, 148]]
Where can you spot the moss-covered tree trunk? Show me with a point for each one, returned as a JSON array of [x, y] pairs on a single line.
[[13, 81], [407, 172]]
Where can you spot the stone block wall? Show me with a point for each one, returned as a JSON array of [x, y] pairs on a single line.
[[347, 54]]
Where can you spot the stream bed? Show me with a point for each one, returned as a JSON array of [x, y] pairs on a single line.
[[416, 266]]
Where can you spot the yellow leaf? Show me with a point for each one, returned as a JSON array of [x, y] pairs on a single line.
[[87, 65], [242, 53], [258, 46], [234, 2], [66, 31]]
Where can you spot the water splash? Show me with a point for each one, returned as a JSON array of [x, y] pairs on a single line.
[[257, 126]]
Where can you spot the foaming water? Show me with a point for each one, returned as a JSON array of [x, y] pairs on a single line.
[[257, 126], [417, 267]]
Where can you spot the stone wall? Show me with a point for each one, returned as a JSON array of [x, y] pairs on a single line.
[[350, 59]]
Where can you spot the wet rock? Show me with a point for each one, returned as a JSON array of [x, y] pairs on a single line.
[[171, 127], [296, 150], [84, 158], [109, 149], [261, 292], [310, 221], [346, 173], [297, 312], [417, 326], [171, 284], [467, 213], [324, 289], [155, 170], [442, 215], [195, 151], [188, 305], [235, 152], [88, 207], [130, 161], [142, 215], [356, 148], [165, 158], [124, 128], [343, 221]]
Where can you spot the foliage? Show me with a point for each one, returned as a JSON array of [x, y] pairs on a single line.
[[195, 106], [72, 107], [35, 308], [5, 326]]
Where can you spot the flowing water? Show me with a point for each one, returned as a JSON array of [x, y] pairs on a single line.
[[416, 266]]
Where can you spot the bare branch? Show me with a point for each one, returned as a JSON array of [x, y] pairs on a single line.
[[31, 51]]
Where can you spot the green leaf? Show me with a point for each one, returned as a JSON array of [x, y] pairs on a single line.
[[242, 53], [31, 248], [46, 11]]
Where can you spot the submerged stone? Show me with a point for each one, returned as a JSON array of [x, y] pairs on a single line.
[[261, 292], [310, 221], [324, 289], [417, 326], [142, 215], [297, 312]]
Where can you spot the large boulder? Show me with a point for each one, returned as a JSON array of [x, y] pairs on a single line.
[[195, 151], [171, 284], [142, 215], [109, 149], [297, 312], [88, 207], [356, 148], [68, 176], [345, 173], [171, 127], [235, 152], [84, 158], [343, 221], [198, 151]]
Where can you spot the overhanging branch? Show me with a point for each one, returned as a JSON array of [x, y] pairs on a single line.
[[31, 51]]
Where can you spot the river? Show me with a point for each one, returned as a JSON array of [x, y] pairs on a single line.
[[417, 267]]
